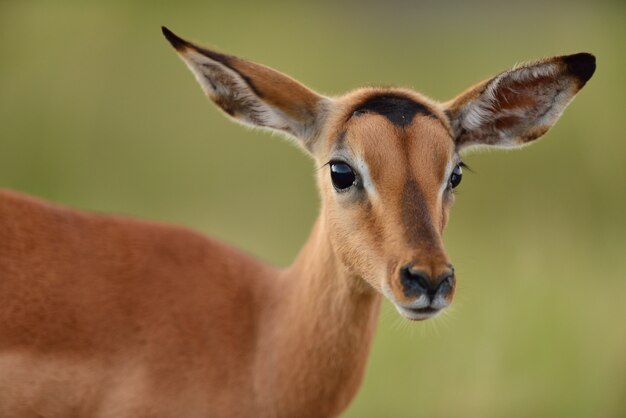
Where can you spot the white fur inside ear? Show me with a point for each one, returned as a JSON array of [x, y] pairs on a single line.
[[484, 108], [477, 119], [230, 91]]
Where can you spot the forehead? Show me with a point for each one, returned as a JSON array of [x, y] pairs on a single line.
[[393, 127]]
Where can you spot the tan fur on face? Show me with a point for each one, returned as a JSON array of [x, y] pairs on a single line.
[[382, 226]]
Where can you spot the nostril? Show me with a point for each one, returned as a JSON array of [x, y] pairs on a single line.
[[414, 282], [445, 283]]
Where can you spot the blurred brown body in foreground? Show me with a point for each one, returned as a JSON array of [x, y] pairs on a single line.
[[110, 317]]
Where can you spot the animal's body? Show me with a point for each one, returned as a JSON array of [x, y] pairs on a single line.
[[113, 317], [104, 316]]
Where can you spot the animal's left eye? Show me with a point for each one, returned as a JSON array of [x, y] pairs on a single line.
[[455, 177]]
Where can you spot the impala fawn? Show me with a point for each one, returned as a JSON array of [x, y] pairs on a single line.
[[103, 316]]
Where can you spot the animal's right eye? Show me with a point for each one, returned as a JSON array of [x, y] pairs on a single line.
[[342, 175]]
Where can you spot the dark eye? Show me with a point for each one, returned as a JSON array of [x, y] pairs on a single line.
[[342, 175], [455, 177]]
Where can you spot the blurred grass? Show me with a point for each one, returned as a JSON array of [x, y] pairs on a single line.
[[97, 112]]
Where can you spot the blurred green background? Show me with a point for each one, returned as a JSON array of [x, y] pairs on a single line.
[[97, 112]]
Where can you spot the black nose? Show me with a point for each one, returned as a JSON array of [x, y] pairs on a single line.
[[417, 282]]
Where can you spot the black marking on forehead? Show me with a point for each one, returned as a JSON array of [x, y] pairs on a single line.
[[400, 110], [416, 219]]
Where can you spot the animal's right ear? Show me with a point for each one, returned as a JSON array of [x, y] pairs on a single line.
[[254, 94]]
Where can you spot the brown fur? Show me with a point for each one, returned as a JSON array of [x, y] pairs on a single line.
[[112, 317], [105, 316]]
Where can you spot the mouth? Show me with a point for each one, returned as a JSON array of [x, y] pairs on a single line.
[[420, 309], [418, 314]]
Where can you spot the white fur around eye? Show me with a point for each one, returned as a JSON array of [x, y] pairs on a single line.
[[368, 183], [444, 184]]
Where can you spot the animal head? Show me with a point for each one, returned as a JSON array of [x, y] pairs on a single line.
[[390, 157]]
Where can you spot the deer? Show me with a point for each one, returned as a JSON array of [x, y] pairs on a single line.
[[106, 316]]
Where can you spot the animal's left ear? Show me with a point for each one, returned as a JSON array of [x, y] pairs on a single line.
[[254, 94], [519, 105]]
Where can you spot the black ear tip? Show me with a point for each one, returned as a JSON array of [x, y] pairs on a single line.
[[177, 43], [582, 65]]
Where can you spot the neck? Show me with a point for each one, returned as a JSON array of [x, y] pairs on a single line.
[[317, 335]]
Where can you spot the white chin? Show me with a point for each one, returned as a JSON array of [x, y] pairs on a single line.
[[418, 314]]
